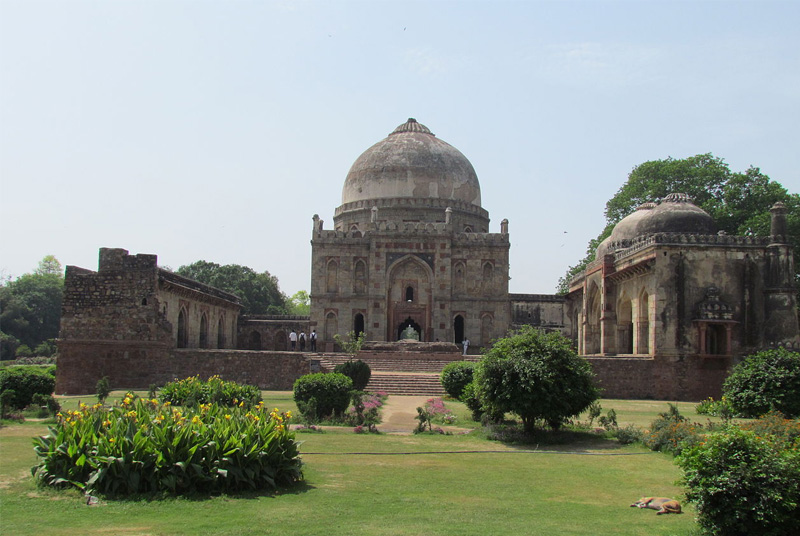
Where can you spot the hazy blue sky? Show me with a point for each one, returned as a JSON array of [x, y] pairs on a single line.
[[216, 130]]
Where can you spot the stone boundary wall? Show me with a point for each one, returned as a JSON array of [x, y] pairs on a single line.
[[137, 366], [693, 379]]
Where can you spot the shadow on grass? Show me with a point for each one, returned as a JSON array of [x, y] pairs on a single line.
[[297, 489], [512, 435]]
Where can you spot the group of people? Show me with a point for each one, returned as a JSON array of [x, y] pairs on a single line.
[[294, 338]]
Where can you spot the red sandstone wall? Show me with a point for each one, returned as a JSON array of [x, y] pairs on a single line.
[[692, 379], [128, 366]]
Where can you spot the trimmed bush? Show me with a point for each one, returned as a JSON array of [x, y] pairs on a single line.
[[329, 394], [25, 382], [193, 391], [456, 376], [358, 371], [768, 380], [743, 484], [141, 446]]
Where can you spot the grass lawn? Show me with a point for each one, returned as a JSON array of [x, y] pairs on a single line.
[[384, 484]]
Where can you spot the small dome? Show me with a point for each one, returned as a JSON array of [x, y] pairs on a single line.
[[675, 214], [629, 226], [412, 162]]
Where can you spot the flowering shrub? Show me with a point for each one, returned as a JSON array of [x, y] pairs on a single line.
[[671, 432], [364, 414], [192, 391], [141, 446], [783, 432]]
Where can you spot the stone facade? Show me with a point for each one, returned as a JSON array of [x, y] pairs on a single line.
[[410, 247], [692, 302], [664, 312]]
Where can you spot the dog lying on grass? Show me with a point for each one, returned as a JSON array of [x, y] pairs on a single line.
[[661, 504]]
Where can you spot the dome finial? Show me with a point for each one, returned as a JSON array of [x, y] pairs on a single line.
[[412, 125]]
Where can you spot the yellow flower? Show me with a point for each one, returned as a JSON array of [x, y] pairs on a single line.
[[106, 423], [241, 404], [227, 417], [196, 420], [288, 414], [112, 440]]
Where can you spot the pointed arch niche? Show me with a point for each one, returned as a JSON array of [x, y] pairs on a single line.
[[409, 297]]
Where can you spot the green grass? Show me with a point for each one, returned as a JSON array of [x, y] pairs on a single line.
[[580, 488]]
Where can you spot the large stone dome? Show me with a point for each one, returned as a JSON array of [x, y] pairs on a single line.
[[412, 163]]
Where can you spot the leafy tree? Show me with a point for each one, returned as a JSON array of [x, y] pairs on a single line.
[[30, 307], [259, 292], [49, 265], [738, 202], [300, 303], [766, 381], [536, 375]]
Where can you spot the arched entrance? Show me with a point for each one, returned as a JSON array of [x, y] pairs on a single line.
[[458, 329], [409, 297], [403, 331], [358, 324]]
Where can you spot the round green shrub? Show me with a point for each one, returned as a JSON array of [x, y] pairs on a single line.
[[743, 484], [358, 371], [768, 380], [330, 392], [456, 376], [25, 382]]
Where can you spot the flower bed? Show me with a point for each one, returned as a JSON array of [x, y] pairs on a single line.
[[141, 446]]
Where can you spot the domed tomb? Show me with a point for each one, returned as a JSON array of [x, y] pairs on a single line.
[[412, 175], [674, 214]]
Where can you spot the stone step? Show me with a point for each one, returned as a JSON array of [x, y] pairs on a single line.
[[406, 384], [399, 373]]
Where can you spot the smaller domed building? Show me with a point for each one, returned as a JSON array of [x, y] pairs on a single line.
[[667, 287]]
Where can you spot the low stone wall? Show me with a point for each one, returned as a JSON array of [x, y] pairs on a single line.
[[136, 366], [689, 379]]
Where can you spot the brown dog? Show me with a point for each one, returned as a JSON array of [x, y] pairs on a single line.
[[662, 504]]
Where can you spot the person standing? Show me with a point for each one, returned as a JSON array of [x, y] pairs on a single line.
[[293, 340], [466, 346], [302, 341], [313, 339]]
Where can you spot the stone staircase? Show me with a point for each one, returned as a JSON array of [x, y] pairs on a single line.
[[399, 373]]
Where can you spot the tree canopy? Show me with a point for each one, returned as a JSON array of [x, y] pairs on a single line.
[[259, 292], [536, 375], [300, 303], [739, 202], [30, 308]]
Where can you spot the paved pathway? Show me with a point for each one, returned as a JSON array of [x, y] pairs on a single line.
[[399, 412]]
